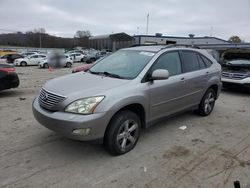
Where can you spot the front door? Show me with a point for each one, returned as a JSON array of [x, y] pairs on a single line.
[[167, 96]]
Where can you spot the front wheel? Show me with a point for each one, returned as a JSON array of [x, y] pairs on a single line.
[[207, 103], [123, 133], [23, 64], [68, 64]]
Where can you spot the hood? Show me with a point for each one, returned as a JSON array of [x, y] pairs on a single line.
[[21, 59], [82, 85]]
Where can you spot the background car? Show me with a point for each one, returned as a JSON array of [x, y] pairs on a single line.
[[236, 73], [75, 51], [8, 77], [76, 57], [64, 60], [10, 58], [30, 60], [4, 52]]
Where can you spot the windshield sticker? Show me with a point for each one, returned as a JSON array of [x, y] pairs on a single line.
[[147, 53]]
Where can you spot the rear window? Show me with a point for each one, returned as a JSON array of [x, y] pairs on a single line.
[[189, 61], [206, 61]]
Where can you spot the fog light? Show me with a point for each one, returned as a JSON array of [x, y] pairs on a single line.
[[81, 132]]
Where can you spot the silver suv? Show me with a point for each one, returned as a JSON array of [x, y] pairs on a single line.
[[127, 91]]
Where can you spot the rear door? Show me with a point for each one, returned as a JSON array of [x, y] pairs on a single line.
[[195, 76]]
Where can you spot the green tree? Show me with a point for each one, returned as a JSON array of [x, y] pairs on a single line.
[[235, 39]]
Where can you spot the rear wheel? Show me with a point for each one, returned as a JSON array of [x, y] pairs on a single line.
[[45, 65], [23, 63], [123, 133], [207, 103]]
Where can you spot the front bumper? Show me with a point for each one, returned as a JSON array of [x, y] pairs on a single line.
[[10, 81], [64, 123], [16, 63], [243, 82]]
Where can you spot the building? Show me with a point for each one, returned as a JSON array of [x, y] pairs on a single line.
[[191, 40], [111, 42]]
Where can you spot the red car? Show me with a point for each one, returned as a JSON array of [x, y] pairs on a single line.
[[8, 77], [83, 68]]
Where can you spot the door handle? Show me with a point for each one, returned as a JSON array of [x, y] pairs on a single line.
[[183, 81], [207, 73]]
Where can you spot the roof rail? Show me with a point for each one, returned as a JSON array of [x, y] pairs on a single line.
[[164, 46], [135, 45], [181, 45]]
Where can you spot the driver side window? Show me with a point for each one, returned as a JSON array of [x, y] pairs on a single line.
[[169, 61]]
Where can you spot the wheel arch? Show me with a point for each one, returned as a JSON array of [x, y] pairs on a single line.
[[137, 108], [215, 87]]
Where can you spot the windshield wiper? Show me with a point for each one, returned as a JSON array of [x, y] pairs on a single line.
[[105, 73]]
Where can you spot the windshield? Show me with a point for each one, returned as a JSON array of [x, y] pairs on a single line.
[[239, 62], [125, 64]]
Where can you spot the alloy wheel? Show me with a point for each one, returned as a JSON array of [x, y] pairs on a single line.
[[127, 135], [209, 102]]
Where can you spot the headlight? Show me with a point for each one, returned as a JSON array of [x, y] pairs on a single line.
[[84, 106]]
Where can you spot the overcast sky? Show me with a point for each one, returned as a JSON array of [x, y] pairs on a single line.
[[221, 18]]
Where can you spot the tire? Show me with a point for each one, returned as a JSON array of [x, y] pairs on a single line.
[[68, 64], [122, 133], [23, 64], [45, 65], [207, 103], [92, 60]]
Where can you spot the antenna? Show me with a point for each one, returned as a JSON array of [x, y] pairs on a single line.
[[211, 31], [137, 30]]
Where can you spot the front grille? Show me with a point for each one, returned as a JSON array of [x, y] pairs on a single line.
[[49, 100], [236, 76]]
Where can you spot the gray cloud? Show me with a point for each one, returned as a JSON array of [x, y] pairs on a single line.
[[170, 17]]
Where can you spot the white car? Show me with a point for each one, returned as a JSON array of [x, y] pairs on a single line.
[[236, 73], [30, 60], [77, 57], [65, 61]]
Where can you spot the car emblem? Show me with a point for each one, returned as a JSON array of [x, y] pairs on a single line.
[[44, 96], [231, 75]]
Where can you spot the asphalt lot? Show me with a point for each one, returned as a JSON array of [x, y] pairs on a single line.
[[213, 151]]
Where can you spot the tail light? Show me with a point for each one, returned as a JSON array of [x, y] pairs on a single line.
[[8, 70]]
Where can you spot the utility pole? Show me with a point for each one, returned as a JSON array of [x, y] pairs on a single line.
[[147, 24], [147, 29], [211, 31], [137, 30]]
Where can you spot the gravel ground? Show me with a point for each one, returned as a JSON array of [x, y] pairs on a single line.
[[213, 151]]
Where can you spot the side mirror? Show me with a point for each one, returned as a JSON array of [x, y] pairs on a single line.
[[160, 74]]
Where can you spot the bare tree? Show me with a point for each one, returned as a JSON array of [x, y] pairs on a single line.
[[39, 30], [82, 34]]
